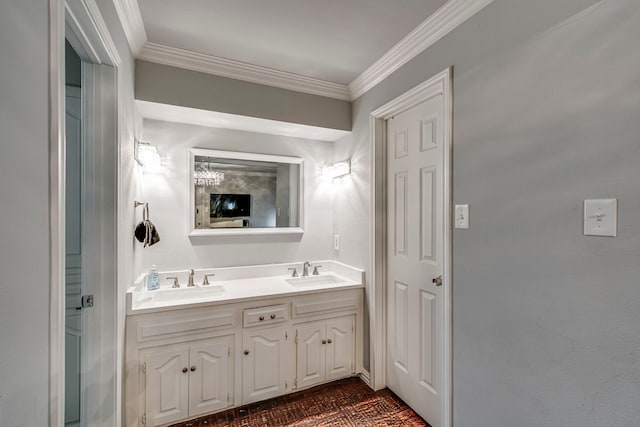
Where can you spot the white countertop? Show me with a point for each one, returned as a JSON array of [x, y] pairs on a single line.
[[233, 287]]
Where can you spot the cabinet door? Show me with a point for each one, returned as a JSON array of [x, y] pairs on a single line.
[[265, 361], [167, 386], [210, 376], [311, 366], [340, 347]]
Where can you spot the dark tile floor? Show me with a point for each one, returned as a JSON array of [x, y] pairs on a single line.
[[347, 402]]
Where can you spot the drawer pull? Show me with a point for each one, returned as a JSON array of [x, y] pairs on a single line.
[[184, 370], [261, 318], [273, 316], [193, 368]]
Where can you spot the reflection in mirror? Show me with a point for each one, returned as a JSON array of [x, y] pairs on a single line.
[[243, 192]]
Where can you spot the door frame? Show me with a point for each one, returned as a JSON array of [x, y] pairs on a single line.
[[441, 83], [81, 22]]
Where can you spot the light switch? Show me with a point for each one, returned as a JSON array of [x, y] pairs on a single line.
[[601, 217], [462, 217]]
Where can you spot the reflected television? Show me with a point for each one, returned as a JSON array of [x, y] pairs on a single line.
[[229, 205]]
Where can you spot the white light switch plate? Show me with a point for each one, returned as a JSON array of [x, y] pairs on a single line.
[[462, 217], [601, 217]]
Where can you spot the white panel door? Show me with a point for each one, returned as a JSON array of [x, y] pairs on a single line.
[[340, 347], [167, 390], [265, 364], [210, 376], [311, 366], [415, 227]]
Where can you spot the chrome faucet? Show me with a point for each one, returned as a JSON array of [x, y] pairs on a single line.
[[190, 281], [305, 268]]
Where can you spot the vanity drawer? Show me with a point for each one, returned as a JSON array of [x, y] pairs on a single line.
[[265, 315]]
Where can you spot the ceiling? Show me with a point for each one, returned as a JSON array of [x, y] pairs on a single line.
[[330, 40]]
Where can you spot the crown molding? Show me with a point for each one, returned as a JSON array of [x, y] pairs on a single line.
[[131, 20], [442, 22], [195, 61]]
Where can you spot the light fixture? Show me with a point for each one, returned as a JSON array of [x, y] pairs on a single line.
[[147, 156], [203, 176], [337, 169]]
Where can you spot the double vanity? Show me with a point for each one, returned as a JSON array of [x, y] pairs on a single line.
[[242, 335]]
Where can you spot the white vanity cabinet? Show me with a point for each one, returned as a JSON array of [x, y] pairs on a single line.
[[187, 380], [325, 350], [191, 360]]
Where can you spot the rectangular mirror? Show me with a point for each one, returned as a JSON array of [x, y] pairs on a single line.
[[233, 193]]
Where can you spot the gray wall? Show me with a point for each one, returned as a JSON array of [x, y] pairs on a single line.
[[546, 104], [186, 88], [24, 214]]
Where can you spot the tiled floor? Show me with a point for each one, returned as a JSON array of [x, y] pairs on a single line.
[[347, 402]]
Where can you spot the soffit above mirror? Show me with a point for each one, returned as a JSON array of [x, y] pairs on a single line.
[[194, 116]]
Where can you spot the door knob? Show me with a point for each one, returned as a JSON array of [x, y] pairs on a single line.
[[184, 370], [193, 368], [246, 352], [329, 341], [437, 281]]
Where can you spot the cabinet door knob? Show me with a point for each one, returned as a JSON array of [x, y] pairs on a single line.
[[329, 341], [261, 318], [246, 352], [184, 370], [273, 316], [193, 368], [324, 341]]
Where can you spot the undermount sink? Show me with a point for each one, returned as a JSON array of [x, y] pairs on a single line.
[[187, 293], [314, 280]]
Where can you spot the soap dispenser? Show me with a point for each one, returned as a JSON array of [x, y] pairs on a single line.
[[153, 281]]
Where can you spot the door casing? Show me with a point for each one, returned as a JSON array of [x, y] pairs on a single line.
[[81, 22], [441, 83]]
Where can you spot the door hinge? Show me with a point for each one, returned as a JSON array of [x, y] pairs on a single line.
[[144, 368], [295, 383], [144, 418], [229, 351], [296, 339], [228, 397]]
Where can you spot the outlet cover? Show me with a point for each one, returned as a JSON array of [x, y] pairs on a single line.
[[601, 217]]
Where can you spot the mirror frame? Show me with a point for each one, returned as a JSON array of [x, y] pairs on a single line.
[[193, 231]]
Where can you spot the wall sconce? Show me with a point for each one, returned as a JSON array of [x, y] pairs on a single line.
[[337, 169], [147, 156]]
